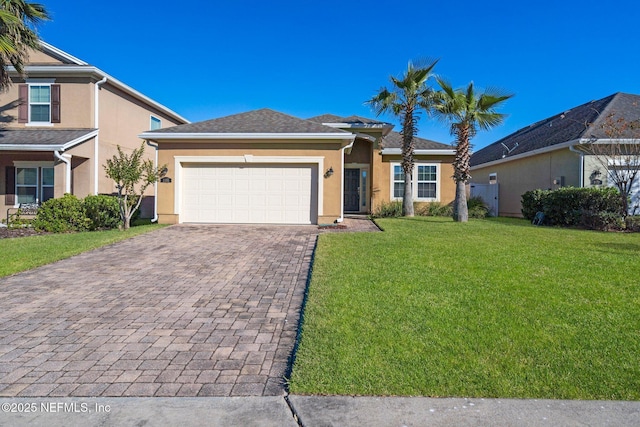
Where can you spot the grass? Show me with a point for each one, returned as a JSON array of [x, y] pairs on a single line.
[[490, 308], [24, 253]]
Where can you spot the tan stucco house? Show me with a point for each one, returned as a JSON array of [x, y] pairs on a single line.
[[547, 154], [264, 166], [61, 122]]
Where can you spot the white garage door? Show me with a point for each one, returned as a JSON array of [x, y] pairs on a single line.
[[249, 194]]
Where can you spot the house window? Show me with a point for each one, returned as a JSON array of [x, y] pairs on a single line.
[[427, 179], [156, 123], [398, 182], [40, 103], [493, 178], [34, 184], [424, 179]]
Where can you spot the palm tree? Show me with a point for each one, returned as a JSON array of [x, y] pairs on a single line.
[[18, 20], [466, 112], [409, 96]]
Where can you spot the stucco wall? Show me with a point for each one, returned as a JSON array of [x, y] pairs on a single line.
[[536, 172]]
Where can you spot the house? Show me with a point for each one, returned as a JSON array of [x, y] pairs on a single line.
[[62, 121], [264, 166], [547, 154]]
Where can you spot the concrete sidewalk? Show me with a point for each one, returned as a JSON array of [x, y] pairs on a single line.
[[312, 411]]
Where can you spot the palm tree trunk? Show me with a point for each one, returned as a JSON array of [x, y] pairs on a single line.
[[460, 209], [407, 197]]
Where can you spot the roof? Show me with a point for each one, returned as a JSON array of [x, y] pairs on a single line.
[[263, 123], [73, 66], [581, 122], [43, 139], [394, 140]]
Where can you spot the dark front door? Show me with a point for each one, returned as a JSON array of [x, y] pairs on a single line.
[[352, 190]]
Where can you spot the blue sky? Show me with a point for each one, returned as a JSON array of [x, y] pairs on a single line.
[[207, 59]]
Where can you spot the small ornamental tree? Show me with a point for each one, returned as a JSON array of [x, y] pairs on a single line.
[[618, 152], [131, 173]]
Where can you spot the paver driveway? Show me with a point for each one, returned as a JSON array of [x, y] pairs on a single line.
[[184, 311]]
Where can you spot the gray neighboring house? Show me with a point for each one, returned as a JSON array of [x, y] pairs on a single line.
[[543, 155]]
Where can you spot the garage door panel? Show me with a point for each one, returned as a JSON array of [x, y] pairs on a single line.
[[284, 194]]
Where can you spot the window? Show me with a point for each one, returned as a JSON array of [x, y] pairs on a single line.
[[398, 182], [425, 182], [156, 123], [39, 103], [34, 184]]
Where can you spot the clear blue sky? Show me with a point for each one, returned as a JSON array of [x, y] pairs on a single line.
[[207, 59]]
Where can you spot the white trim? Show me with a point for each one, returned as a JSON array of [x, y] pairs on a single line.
[[414, 178], [96, 124], [180, 160], [433, 151], [80, 139], [39, 83], [264, 136], [46, 47]]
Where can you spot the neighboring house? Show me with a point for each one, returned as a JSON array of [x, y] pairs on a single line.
[[544, 154], [61, 123], [264, 166]]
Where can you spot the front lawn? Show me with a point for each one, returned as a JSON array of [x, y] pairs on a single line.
[[24, 253], [490, 308]]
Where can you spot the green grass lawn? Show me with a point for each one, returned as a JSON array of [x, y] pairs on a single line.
[[490, 308], [24, 253]]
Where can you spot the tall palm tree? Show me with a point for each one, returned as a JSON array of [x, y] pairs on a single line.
[[467, 112], [408, 97], [18, 21]]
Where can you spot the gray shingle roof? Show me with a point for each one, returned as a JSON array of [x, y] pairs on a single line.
[[583, 121], [394, 140], [257, 121], [45, 137]]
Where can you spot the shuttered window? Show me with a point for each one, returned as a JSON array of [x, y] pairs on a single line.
[[39, 103]]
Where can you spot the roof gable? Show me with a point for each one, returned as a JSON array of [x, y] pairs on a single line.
[[583, 121]]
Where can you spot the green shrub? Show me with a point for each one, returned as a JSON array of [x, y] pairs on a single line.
[[389, 210], [61, 215], [434, 209], [102, 211], [632, 223], [532, 202], [477, 208], [595, 208]]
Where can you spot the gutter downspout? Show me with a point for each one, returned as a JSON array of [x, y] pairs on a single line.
[[345, 148], [155, 184], [96, 123], [572, 149], [67, 162]]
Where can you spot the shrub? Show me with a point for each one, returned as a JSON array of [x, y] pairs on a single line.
[[61, 215], [434, 209], [632, 223], [102, 211], [596, 208], [477, 208], [389, 210], [532, 202]]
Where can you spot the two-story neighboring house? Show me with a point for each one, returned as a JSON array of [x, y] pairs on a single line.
[[60, 123]]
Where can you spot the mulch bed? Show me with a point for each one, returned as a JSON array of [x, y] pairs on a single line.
[[6, 233]]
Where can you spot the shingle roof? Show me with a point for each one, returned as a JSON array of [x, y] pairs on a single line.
[[394, 140], [257, 121], [583, 121], [40, 137]]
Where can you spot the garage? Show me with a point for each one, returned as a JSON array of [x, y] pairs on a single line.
[[249, 194]]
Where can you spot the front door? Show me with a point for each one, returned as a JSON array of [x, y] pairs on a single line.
[[352, 190]]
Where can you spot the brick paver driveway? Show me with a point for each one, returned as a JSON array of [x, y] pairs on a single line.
[[184, 311]]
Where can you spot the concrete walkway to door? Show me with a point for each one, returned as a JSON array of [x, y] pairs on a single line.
[[206, 310]]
